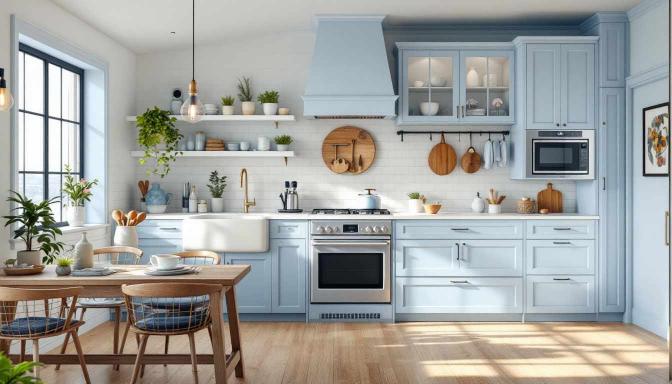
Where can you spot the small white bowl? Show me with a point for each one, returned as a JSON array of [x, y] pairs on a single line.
[[438, 81], [418, 83], [157, 208], [233, 146], [429, 109]]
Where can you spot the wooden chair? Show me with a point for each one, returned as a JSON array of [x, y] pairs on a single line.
[[116, 255], [34, 314], [163, 309]]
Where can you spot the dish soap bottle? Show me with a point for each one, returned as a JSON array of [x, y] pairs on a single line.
[[193, 200], [478, 204]]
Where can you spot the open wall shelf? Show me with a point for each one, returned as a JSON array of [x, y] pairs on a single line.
[[242, 118], [204, 154]]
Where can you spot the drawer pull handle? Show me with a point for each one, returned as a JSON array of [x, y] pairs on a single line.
[[459, 229], [561, 279], [562, 243], [168, 228], [562, 229], [459, 281]]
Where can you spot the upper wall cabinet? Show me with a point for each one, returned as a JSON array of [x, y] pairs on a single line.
[[444, 83], [557, 81]]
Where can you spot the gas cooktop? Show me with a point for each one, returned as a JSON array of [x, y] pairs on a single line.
[[347, 211]]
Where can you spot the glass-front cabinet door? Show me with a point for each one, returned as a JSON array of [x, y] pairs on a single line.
[[430, 92], [486, 94]]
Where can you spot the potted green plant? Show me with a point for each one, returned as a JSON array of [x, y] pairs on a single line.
[[245, 96], [77, 193], [415, 202], [216, 187], [36, 227], [227, 105], [19, 373], [269, 101], [159, 137], [282, 142], [63, 266]]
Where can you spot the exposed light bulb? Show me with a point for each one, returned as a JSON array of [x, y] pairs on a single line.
[[6, 99], [192, 109]]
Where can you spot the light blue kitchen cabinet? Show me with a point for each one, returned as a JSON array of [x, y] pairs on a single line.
[[289, 263], [560, 294], [156, 246], [253, 293], [427, 257], [289, 229], [459, 229], [491, 258], [560, 229], [612, 28], [159, 236], [577, 86], [560, 257], [543, 86]]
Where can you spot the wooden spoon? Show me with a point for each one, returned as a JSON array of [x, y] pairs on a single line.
[[118, 215], [141, 217], [131, 216]]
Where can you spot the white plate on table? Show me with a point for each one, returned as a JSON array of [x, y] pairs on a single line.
[[170, 272], [175, 268]]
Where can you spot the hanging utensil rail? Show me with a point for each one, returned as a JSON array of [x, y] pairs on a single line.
[[431, 133]]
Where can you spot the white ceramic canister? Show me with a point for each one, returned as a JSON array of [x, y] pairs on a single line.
[[494, 209], [478, 204], [126, 236]]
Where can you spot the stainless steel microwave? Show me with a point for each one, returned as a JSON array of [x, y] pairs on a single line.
[[562, 154]]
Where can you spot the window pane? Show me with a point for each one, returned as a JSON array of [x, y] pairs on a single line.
[[34, 143], [21, 118], [55, 191], [70, 96], [54, 91], [55, 162], [34, 84], [21, 184], [70, 146], [35, 186], [19, 96]]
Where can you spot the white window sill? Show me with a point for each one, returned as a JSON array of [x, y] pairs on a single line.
[[69, 234]]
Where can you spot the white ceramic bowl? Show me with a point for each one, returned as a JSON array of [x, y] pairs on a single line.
[[233, 146], [438, 81], [418, 83], [429, 109], [157, 208]]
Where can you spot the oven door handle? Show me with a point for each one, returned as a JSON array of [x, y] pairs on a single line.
[[352, 244]]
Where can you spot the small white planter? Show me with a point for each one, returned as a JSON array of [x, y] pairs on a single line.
[[28, 257], [248, 107], [416, 206], [494, 208], [282, 147], [270, 108], [217, 204], [228, 110], [127, 236], [76, 215]]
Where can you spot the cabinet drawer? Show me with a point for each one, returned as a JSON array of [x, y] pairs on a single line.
[[561, 229], [491, 258], [458, 229], [561, 257], [164, 229], [560, 294], [426, 257], [289, 229], [458, 295]]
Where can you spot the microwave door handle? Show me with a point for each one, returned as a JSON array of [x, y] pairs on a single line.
[[353, 244]]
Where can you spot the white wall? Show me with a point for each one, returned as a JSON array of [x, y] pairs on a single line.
[[281, 61], [649, 42], [54, 20]]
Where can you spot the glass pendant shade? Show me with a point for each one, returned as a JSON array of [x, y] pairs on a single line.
[[192, 109], [6, 99]]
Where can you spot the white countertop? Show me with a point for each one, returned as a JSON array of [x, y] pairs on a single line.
[[393, 216]]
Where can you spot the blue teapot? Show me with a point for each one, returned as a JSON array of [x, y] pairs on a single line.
[[157, 196]]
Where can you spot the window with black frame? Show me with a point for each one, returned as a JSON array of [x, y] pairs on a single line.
[[49, 126]]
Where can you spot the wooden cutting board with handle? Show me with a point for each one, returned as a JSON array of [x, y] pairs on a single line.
[[442, 158], [550, 199], [471, 161]]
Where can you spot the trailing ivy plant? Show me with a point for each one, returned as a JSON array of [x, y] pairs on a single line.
[[157, 128]]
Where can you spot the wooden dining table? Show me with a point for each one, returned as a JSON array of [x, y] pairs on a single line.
[[110, 286]]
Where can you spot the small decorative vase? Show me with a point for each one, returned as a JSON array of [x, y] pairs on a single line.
[[473, 79], [200, 141], [191, 145], [270, 108], [126, 236], [248, 107], [494, 208], [76, 215], [63, 271], [157, 196], [227, 110], [282, 147], [83, 253], [415, 206], [478, 204], [28, 258], [217, 204]]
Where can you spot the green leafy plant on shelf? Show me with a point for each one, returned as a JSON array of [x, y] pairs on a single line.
[[217, 184], [228, 100], [245, 89], [269, 97], [19, 373], [160, 138], [283, 140]]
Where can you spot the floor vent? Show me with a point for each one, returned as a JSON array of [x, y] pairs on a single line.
[[349, 316]]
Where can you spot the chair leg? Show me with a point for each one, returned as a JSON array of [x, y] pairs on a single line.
[[64, 347], [123, 338], [138, 339], [210, 333], [115, 347], [165, 349], [138, 359], [23, 350], [80, 355], [192, 349], [36, 356]]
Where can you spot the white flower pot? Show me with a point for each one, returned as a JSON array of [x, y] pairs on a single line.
[[127, 236], [248, 107], [76, 215], [270, 108], [494, 208], [217, 204], [28, 257], [228, 110], [282, 147], [415, 206]]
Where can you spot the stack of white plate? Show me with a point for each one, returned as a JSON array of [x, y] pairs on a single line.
[[210, 109], [476, 112], [180, 269]]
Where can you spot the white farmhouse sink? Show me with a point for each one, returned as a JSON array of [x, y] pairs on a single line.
[[225, 233]]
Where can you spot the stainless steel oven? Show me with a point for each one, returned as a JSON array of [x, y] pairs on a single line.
[[350, 262], [561, 154]]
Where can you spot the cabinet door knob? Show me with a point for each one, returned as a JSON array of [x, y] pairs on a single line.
[[564, 124], [557, 124]]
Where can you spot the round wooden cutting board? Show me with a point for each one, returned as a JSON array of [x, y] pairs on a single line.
[[348, 144], [442, 158], [471, 161]]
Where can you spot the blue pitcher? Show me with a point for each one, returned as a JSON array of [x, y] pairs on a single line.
[[157, 196]]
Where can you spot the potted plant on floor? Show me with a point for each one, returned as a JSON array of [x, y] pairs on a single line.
[[216, 187], [245, 95], [282, 142], [227, 105], [415, 202], [160, 138], [269, 101], [19, 373], [78, 192], [36, 227]]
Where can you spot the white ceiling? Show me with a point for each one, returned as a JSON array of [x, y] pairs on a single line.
[[146, 25]]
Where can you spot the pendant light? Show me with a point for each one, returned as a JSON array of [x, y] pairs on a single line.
[[192, 109], [6, 99]]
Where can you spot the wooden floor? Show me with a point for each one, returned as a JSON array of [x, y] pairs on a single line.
[[462, 353]]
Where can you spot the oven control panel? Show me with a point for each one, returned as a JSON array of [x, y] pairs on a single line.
[[373, 227]]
